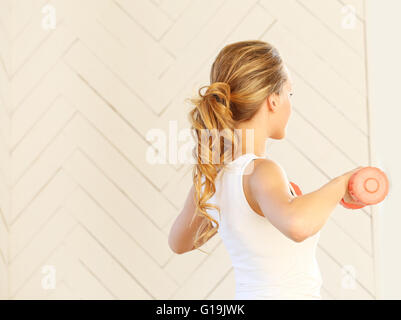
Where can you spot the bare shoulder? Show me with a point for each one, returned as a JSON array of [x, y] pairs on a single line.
[[264, 167], [266, 175], [268, 191]]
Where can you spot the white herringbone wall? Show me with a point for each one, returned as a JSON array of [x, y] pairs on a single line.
[[5, 164], [77, 194]]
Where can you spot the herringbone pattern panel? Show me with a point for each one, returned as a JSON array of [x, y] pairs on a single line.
[[5, 133], [80, 196]]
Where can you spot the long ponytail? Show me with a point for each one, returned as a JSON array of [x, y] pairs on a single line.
[[243, 75], [212, 122]]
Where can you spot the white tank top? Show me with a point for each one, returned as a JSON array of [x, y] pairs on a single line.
[[267, 264]]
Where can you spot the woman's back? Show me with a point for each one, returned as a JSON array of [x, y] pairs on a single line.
[[267, 264]]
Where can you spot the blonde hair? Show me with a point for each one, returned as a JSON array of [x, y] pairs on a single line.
[[242, 76]]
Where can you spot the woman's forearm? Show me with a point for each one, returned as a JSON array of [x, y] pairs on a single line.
[[312, 210], [182, 233]]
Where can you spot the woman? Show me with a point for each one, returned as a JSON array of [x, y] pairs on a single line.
[[270, 233]]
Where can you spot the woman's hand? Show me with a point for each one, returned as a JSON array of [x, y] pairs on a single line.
[[347, 197]]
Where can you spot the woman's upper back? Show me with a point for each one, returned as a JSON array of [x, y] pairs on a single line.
[[260, 253]]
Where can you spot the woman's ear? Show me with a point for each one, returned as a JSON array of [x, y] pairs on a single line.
[[272, 102]]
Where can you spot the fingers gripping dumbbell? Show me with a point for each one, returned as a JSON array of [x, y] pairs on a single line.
[[366, 186]]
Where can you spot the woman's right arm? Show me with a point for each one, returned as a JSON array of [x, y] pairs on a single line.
[[296, 217]]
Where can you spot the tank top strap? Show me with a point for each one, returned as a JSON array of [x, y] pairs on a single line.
[[239, 164], [248, 159]]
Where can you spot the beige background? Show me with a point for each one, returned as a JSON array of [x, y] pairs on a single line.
[[76, 192], [384, 68]]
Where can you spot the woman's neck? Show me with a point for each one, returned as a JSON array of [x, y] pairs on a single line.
[[251, 141]]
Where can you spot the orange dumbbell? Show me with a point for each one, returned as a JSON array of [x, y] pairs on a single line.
[[296, 189], [366, 186]]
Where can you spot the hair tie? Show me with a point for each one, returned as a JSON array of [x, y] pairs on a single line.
[[217, 98], [218, 86]]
